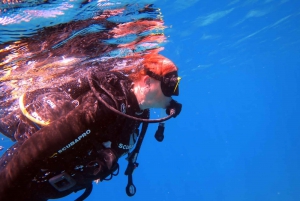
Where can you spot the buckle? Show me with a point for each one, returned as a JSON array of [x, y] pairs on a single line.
[[62, 182]]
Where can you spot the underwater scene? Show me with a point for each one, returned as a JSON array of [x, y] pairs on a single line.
[[237, 137]]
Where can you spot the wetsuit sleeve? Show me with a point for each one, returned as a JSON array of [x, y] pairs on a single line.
[[27, 159]]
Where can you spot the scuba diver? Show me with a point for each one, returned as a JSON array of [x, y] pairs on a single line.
[[69, 136]]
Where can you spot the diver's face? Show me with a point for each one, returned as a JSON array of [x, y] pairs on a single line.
[[155, 96]]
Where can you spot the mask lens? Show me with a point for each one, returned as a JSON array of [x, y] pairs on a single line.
[[169, 84]]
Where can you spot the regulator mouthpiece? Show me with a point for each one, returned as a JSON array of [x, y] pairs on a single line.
[[174, 108]]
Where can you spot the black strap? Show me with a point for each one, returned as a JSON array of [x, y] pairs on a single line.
[[132, 164], [86, 193]]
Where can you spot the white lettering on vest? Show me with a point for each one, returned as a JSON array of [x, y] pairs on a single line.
[[80, 137], [124, 146]]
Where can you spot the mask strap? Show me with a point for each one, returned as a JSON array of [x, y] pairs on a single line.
[[154, 75]]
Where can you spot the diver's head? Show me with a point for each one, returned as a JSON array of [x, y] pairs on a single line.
[[155, 82]]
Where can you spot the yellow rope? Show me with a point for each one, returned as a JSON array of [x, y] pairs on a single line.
[[26, 114], [179, 78]]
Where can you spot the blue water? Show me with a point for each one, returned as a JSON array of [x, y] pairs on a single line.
[[237, 138]]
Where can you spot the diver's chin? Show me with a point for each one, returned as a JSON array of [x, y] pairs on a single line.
[[167, 103]]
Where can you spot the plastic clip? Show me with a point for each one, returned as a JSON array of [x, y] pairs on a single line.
[[62, 182]]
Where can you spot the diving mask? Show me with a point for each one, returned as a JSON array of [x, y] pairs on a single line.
[[168, 83]]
